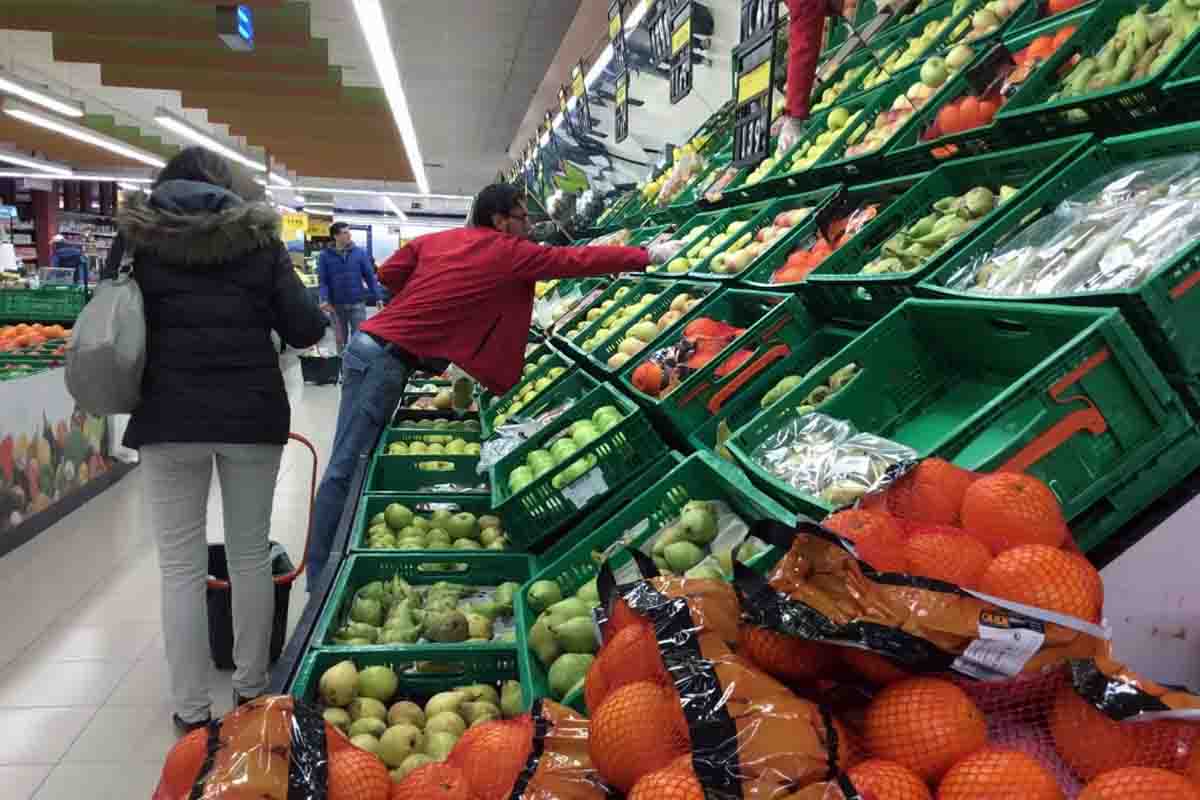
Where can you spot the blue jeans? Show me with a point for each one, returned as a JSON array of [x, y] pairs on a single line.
[[346, 320], [373, 383]]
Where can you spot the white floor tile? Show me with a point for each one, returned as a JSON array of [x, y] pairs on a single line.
[[21, 782], [147, 684], [40, 735], [101, 781], [125, 733], [117, 642], [38, 684]]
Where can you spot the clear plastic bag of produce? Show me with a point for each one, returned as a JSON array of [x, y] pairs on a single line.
[[828, 458], [1112, 234], [274, 748], [672, 704], [514, 433], [702, 340]]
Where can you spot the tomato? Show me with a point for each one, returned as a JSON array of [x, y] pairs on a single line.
[[1063, 34], [1041, 48], [1059, 6], [968, 113], [947, 119], [987, 111]]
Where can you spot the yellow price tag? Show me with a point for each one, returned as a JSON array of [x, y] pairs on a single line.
[[622, 91], [614, 27], [577, 84], [320, 228], [682, 37], [754, 82]]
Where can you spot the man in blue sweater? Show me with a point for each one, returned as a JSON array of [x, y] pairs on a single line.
[[347, 281]]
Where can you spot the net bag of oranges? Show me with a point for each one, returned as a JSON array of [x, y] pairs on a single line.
[[542, 755], [677, 713], [274, 748]]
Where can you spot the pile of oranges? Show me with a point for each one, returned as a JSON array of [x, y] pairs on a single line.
[[1001, 534], [17, 338]]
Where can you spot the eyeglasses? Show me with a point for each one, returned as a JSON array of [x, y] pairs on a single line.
[[522, 217]]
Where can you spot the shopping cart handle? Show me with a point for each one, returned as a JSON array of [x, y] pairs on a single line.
[[285, 580]]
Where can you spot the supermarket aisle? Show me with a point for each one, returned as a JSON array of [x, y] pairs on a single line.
[[84, 704]]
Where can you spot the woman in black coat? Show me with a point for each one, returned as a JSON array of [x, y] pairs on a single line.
[[216, 280]]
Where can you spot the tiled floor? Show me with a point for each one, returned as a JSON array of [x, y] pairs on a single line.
[[84, 699]]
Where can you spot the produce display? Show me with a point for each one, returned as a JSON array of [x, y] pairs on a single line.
[[1112, 234], [917, 47], [398, 527], [642, 333], [836, 127], [809, 255], [700, 342], [34, 340], [832, 92], [563, 636], [397, 612], [951, 218], [434, 445], [525, 392], [746, 249], [562, 449], [702, 245], [440, 424]]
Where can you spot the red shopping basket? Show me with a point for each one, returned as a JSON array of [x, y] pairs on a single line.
[[220, 600]]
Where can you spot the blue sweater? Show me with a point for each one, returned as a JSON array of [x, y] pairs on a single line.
[[344, 276]]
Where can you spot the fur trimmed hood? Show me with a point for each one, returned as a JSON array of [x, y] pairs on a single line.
[[196, 224]]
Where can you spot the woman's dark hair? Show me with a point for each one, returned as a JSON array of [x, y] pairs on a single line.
[[200, 165], [499, 198]]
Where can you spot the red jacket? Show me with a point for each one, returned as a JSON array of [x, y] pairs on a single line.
[[466, 295], [806, 30]]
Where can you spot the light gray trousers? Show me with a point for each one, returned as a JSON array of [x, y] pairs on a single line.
[[177, 480]]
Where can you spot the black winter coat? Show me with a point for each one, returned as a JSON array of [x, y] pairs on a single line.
[[216, 280]]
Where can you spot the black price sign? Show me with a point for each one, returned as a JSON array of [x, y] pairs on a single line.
[[621, 108], [616, 31], [982, 74], [756, 65], [583, 110], [758, 16], [681, 53], [660, 35]]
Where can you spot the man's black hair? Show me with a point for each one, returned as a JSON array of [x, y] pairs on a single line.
[[338, 227], [197, 164], [499, 198]]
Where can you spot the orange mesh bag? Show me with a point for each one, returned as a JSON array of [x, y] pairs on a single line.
[[274, 748]]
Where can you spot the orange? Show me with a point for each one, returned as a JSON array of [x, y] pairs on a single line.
[[932, 492], [887, 780], [1007, 509], [997, 774], [876, 535], [875, 668], [620, 616], [1044, 577], [672, 783], [1092, 743], [952, 557], [638, 729], [182, 767], [631, 655], [433, 782], [787, 658], [849, 750], [357, 775], [1140, 783], [492, 755], [925, 724]]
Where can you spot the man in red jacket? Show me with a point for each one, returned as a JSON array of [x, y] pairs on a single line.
[[806, 31], [463, 296]]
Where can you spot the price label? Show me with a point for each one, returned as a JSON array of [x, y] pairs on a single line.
[[583, 490], [1006, 642], [682, 37], [577, 85], [621, 109], [614, 27], [755, 82], [562, 100]]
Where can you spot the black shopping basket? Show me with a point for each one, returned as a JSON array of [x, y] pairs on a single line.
[[220, 600]]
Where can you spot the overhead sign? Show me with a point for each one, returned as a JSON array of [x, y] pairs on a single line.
[[235, 27]]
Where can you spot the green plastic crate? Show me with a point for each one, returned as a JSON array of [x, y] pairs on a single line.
[[645, 233], [860, 61], [711, 223], [838, 288], [466, 568], [1043, 17], [1067, 394], [47, 305], [773, 323], [540, 510], [760, 273], [667, 292], [446, 667], [491, 407], [760, 216], [1131, 106], [1164, 309], [908, 152], [372, 504], [702, 476], [424, 472], [895, 39], [569, 337]]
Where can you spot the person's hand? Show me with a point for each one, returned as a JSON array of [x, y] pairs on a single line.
[[663, 252], [326, 307], [789, 134], [379, 305]]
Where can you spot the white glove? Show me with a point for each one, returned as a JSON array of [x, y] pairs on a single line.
[[462, 389], [789, 134], [663, 252]]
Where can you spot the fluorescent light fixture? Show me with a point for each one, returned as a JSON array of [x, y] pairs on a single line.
[[75, 176], [378, 192], [300, 199], [181, 128], [375, 30], [279, 180], [319, 205], [638, 14], [129, 187], [80, 133], [34, 163], [599, 65], [390, 203], [22, 89]]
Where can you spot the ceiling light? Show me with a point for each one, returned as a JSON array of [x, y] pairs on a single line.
[[319, 205], [129, 187], [75, 176], [279, 180], [300, 199], [176, 125], [638, 14], [12, 85], [79, 132], [390, 203], [34, 163], [375, 29], [377, 192]]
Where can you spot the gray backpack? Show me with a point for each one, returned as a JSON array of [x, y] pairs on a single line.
[[107, 352]]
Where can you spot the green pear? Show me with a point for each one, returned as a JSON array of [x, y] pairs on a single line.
[[543, 643], [445, 722], [406, 711], [443, 701], [575, 635], [481, 692], [567, 671], [339, 684], [338, 718], [413, 762], [564, 610], [542, 595], [368, 725], [474, 713], [438, 745], [512, 699], [367, 707], [399, 742], [366, 742]]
